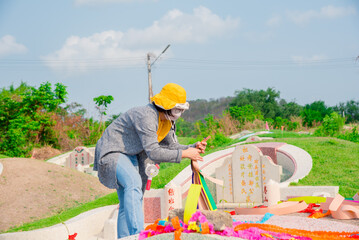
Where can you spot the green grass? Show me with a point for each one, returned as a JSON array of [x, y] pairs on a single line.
[[186, 140], [3, 156], [335, 163]]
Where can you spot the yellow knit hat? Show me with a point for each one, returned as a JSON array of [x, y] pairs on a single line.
[[172, 95]]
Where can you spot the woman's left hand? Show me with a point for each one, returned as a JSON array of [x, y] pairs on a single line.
[[202, 145]]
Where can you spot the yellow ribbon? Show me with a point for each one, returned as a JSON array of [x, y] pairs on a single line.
[[191, 202]]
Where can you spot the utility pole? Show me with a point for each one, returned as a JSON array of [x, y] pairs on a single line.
[[150, 93], [149, 65]]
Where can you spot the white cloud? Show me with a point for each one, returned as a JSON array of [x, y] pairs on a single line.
[[273, 21], [8, 46], [96, 2], [301, 60], [324, 12], [130, 48]]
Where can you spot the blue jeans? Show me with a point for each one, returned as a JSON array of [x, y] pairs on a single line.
[[130, 215]]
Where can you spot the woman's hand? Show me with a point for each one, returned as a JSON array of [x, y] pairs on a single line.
[[202, 144], [192, 153]]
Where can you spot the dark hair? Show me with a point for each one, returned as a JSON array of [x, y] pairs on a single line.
[[168, 112]]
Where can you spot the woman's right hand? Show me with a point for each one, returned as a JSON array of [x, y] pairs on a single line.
[[192, 153]]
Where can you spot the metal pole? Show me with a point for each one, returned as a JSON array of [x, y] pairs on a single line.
[[150, 93], [149, 64]]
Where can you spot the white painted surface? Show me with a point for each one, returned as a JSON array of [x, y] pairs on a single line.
[[286, 162], [88, 225], [302, 160], [293, 191]]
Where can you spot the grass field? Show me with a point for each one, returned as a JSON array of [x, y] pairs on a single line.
[[335, 163]]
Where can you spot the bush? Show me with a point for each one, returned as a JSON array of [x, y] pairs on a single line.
[[332, 124], [352, 136], [245, 113]]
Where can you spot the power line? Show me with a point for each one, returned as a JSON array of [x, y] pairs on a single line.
[[175, 63]]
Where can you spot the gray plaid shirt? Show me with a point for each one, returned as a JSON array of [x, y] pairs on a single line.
[[135, 133]]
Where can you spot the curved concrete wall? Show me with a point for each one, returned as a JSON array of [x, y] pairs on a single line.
[[286, 162], [301, 159], [292, 158], [88, 225]]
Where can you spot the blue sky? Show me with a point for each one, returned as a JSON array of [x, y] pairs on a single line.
[[305, 49]]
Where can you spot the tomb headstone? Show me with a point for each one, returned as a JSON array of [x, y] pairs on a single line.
[[225, 192], [173, 197], [247, 182], [254, 139], [79, 157], [246, 174], [356, 196]]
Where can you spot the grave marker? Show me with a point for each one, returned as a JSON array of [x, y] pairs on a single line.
[[246, 174], [80, 156]]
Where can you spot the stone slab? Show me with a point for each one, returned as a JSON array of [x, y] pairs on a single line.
[[270, 149], [155, 194], [299, 191], [225, 192], [246, 163]]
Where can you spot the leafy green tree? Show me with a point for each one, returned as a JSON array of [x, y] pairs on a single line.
[[266, 101], [75, 108], [184, 128], [28, 118], [245, 113], [350, 110], [331, 126], [289, 109], [315, 112], [102, 102]]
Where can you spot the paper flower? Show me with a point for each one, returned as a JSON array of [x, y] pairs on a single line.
[[72, 237]]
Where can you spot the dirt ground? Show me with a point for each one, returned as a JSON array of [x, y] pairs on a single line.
[[33, 189]]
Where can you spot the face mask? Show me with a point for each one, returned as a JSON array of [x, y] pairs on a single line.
[[176, 113]]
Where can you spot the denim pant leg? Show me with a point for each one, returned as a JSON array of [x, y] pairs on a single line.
[[130, 215]]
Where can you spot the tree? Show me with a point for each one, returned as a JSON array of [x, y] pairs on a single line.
[[332, 124], [290, 109], [75, 108], [245, 113], [315, 112], [102, 102], [350, 110], [27, 117], [263, 100]]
